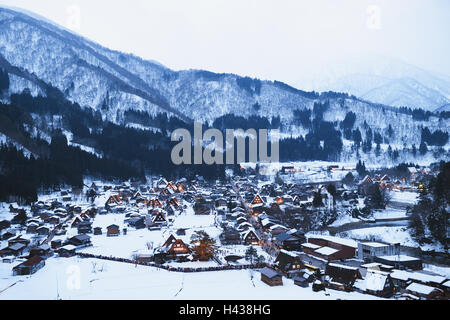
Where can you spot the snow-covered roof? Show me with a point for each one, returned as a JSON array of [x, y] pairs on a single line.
[[310, 245], [398, 258], [326, 251], [420, 288], [375, 280], [289, 253], [422, 277], [375, 244], [345, 242], [69, 247], [342, 266]]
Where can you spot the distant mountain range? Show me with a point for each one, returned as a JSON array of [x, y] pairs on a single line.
[[39, 55], [382, 80]]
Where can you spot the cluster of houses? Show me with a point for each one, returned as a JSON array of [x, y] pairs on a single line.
[[367, 267], [407, 182], [248, 213]]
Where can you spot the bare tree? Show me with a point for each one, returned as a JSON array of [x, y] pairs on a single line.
[[94, 266]]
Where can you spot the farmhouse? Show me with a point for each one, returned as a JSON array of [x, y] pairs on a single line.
[[288, 241], [271, 277], [29, 267], [376, 283], [67, 250], [230, 237], [288, 262], [80, 240], [424, 292], [257, 202], [15, 249], [250, 238], [342, 274]]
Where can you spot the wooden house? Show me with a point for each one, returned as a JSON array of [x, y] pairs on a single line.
[[168, 243], [365, 185], [42, 231], [113, 201], [424, 292], [98, 231], [230, 237], [113, 230], [378, 283], [175, 203], [342, 275], [31, 228], [15, 249], [56, 244], [271, 277], [80, 240], [159, 218], [29, 267], [250, 238], [301, 281], [18, 239], [155, 203], [84, 227], [8, 234], [288, 263], [257, 202], [202, 208], [67, 251], [178, 247], [137, 222], [44, 250], [288, 241]]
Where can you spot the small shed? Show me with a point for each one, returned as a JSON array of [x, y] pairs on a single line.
[[113, 230], [271, 277]]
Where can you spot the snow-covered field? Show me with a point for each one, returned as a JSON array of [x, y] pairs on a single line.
[[383, 234], [85, 279], [389, 213], [409, 197]]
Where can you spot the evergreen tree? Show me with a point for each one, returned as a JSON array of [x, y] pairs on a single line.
[[414, 150], [317, 201], [251, 254], [423, 148], [4, 80]]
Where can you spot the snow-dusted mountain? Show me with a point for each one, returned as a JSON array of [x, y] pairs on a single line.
[[38, 54], [381, 79]]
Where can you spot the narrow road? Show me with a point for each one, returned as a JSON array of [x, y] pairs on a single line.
[[268, 246]]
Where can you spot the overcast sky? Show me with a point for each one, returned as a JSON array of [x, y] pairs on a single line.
[[269, 39]]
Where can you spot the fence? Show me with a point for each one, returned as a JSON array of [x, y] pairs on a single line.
[[175, 269]]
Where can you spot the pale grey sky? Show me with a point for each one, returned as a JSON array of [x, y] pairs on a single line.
[[269, 39]]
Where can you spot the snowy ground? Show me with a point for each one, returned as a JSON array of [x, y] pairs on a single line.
[[383, 234], [408, 197], [389, 213], [75, 279]]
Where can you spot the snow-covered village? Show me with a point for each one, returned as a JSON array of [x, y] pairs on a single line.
[[210, 158], [310, 231]]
